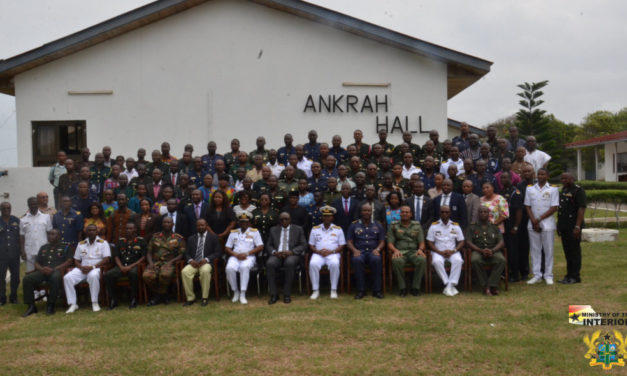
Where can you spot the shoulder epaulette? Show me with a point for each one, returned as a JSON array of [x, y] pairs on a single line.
[[77, 212], [455, 223], [355, 221], [436, 222], [577, 186], [122, 239], [253, 229], [317, 226], [100, 241], [529, 185], [83, 242], [235, 230], [336, 227], [178, 235], [139, 237], [517, 191]]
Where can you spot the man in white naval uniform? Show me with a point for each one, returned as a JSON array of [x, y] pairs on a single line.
[[90, 255], [34, 227], [445, 239], [242, 245], [541, 201], [326, 243]]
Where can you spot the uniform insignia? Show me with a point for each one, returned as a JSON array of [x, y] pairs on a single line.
[[77, 213], [319, 226], [336, 227], [436, 222], [100, 241], [235, 230], [83, 242], [253, 230], [455, 223]]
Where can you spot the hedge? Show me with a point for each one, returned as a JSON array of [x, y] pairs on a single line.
[[593, 184], [612, 196]]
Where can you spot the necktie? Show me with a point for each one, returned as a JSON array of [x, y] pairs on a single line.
[[174, 180], [418, 208], [284, 240], [201, 246], [346, 205], [198, 211]]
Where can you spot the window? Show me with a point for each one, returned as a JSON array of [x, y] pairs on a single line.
[[51, 136], [621, 162]]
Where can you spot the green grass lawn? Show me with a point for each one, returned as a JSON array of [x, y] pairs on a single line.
[[523, 331]]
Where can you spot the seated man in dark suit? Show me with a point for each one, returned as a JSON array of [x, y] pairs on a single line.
[[201, 250], [181, 225], [454, 201], [424, 204], [286, 246], [345, 208]]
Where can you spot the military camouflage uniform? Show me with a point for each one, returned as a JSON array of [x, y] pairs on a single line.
[[163, 249]]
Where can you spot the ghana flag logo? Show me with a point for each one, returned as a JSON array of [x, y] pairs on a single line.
[[582, 315], [605, 352]]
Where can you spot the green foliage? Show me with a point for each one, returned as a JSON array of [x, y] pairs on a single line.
[[601, 123], [601, 185], [556, 135], [613, 196], [530, 119]]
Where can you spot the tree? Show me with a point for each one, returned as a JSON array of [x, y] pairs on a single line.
[[530, 119], [556, 136]]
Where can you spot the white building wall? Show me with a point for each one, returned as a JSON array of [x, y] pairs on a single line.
[[227, 69], [21, 183]]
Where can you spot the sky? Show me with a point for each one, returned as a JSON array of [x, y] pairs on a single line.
[[578, 45]]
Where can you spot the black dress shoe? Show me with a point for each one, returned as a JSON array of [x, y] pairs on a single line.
[[165, 300], [3, 300], [50, 309], [188, 303], [113, 304], [154, 301], [204, 302], [513, 279], [273, 299], [287, 299], [360, 295], [415, 292], [13, 299], [377, 295], [402, 293], [133, 303], [31, 309]]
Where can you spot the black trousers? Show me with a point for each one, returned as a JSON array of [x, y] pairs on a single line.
[[513, 256], [289, 265], [112, 276], [523, 249], [13, 264], [32, 280], [572, 252]]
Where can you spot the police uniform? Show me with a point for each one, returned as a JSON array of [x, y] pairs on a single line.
[[329, 239], [99, 175], [283, 154], [541, 199], [515, 202], [89, 255], [128, 251], [263, 222], [445, 236], [162, 249], [49, 255], [34, 229], [9, 257], [241, 242], [571, 200], [486, 236], [407, 239], [366, 238], [69, 225]]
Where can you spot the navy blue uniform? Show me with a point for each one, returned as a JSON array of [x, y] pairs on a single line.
[[9, 256], [366, 238], [69, 225]]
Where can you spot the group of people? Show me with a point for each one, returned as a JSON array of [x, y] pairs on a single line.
[[271, 209]]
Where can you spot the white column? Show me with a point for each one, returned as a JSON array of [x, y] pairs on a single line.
[[580, 175], [596, 163]]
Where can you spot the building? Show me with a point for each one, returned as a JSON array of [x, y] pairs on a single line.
[[615, 165], [190, 71]]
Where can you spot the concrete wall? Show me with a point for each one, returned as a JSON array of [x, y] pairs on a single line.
[[611, 150], [22, 183], [227, 69]]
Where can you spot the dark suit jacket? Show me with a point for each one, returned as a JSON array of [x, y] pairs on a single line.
[[190, 213], [379, 211], [426, 215], [181, 226], [296, 239], [458, 209], [211, 251], [150, 192], [341, 218]]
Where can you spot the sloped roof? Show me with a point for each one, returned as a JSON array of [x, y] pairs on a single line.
[[463, 70], [607, 139]]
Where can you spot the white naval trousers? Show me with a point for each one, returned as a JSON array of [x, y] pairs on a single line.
[[316, 263]]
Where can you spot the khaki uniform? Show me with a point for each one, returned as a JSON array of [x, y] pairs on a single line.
[[486, 236], [407, 239]]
